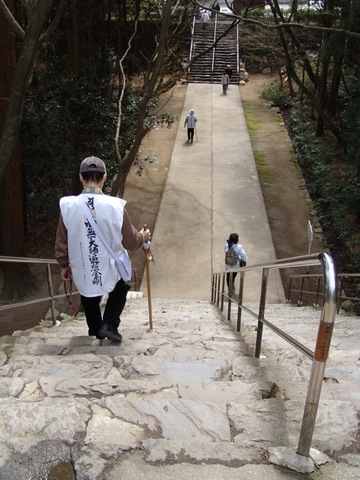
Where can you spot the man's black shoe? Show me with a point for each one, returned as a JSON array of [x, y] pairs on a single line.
[[110, 333]]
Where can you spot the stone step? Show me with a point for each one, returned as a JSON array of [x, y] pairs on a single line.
[[185, 391], [200, 71]]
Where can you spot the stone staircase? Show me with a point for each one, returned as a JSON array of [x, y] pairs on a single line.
[[225, 54], [186, 392]]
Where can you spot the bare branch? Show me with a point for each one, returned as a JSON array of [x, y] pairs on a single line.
[[59, 13], [122, 92], [285, 25], [14, 26]]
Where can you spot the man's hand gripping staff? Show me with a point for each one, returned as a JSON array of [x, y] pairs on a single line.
[[149, 258], [147, 244]]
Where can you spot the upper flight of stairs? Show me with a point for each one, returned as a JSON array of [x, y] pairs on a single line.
[[225, 53]]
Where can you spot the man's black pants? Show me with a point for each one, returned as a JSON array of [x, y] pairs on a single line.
[[114, 306]]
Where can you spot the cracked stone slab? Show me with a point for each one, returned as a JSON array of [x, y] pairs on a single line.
[[173, 418], [220, 392], [31, 368], [287, 457], [42, 421], [258, 421], [330, 415], [193, 451], [106, 432], [11, 387], [177, 372]]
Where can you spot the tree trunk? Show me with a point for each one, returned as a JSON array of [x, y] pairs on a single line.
[[13, 84], [149, 89], [74, 40], [323, 80], [24, 68], [12, 228], [338, 59]]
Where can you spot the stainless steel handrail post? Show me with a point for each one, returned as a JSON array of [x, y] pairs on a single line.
[[229, 297], [318, 292], [241, 295], [321, 354], [51, 293], [300, 301], [222, 292], [289, 290], [339, 293], [192, 41], [261, 316], [237, 53], [216, 293], [217, 285], [214, 48]]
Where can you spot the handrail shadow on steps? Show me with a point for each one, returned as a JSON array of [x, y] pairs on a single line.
[[327, 317]]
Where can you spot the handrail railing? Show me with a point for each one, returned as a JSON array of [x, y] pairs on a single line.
[[317, 278], [214, 48], [192, 42], [319, 355], [51, 297]]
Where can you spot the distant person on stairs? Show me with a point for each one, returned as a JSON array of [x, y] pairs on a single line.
[[229, 72], [190, 121], [215, 7], [93, 230], [205, 17], [239, 259], [225, 82]]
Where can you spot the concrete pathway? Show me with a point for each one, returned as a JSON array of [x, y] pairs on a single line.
[[212, 190], [187, 399]]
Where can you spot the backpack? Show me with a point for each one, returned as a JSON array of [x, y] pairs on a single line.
[[231, 257]]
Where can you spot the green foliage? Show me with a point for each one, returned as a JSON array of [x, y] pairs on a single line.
[[66, 118], [333, 186], [251, 122], [349, 101], [69, 117], [275, 94], [266, 172]]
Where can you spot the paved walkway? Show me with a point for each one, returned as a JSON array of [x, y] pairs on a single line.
[[212, 190], [184, 400]]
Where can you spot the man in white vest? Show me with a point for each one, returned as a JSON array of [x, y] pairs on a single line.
[[93, 235]]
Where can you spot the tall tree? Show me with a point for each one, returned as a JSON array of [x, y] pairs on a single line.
[[12, 218], [12, 228]]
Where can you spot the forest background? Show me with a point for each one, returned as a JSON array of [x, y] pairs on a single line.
[[84, 77]]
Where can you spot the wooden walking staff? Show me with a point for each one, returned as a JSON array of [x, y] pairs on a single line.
[[149, 258]]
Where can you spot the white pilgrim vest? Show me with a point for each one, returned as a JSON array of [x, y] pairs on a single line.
[[93, 268]]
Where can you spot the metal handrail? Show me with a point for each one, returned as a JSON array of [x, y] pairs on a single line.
[[214, 48], [319, 355], [192, 43], [51, 297], [315, 276], [237, 53]]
